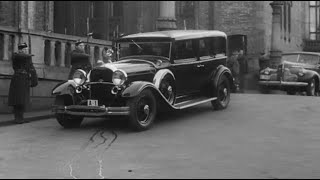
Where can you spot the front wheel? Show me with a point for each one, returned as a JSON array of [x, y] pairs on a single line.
[[143, 109], [311, 89], [223, 94], [68, 121]]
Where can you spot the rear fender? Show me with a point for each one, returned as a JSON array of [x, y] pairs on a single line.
[[219, 72]]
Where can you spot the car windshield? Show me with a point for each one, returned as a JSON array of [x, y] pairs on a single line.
[[290, 57], [302, 58], [144, 48]]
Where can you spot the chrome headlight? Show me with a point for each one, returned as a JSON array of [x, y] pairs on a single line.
[[79, 77], [119, 77]]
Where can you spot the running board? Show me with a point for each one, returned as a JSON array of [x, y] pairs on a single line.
[[193, 102]]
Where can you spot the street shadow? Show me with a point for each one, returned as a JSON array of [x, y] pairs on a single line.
[[120, 124]]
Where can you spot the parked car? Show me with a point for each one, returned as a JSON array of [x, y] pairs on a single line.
[[155, 70], [297, 72]]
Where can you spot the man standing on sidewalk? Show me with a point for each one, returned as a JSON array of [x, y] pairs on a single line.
[[243, 69], [24, 77], [233, 65], [79, 59]]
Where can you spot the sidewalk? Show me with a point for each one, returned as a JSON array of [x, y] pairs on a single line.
[[8, 119]]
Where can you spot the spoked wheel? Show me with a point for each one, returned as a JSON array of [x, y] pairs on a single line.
[[68, 121], [311, 89], [167, 89], [223, 94], [143, 109]]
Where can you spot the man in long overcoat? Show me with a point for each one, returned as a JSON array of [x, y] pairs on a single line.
[[79, 59], [24, 77], [243, 69], [234, 66]]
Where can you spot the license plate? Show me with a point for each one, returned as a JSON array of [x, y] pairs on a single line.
[[266, 77], [92, 102]]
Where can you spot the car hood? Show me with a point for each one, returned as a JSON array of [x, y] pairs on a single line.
[[130, 66]]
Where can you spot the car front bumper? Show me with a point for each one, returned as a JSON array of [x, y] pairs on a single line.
[[282, 83], [90, 111]]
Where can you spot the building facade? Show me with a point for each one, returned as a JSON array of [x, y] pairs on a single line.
[[52, 27]]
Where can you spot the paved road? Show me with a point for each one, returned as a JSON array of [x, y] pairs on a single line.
[[258, 136]]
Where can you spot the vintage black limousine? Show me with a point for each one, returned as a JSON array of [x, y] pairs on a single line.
[[155, 70]]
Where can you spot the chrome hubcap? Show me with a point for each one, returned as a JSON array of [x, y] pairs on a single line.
[[225, 91], [146, 109]]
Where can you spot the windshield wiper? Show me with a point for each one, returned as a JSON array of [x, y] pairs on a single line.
[[137, 45]]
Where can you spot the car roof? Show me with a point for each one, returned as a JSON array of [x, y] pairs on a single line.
[[302, 52], [178, 34]]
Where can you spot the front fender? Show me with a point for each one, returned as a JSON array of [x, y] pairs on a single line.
[[308, 75], [136, 87], [62, 88]]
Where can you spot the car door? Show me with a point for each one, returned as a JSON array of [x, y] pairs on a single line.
[[185, 67], [212, 53]]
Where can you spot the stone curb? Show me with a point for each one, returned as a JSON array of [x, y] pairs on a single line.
[[10, 121]]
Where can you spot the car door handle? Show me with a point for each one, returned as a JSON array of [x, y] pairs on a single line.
[[200, 65]]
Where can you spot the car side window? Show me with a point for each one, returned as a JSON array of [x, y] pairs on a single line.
[[219, 46], [212, 47], [308, 59], [184, 51], [205, 49]]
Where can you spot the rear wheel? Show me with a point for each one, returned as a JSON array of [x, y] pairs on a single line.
[[311, 89], [68, 121], [143, 109], [223, 94]]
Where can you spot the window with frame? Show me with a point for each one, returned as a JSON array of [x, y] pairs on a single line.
[[184, 51], [314, 10], [309, 59], [213, 46]]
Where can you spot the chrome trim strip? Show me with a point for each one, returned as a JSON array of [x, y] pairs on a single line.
[[196, 103], [72, 110], [128, 60], [196, 62], [282, 83], [89, 83]]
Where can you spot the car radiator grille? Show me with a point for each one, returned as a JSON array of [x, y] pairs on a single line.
[[102, 93], [99, 75]]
